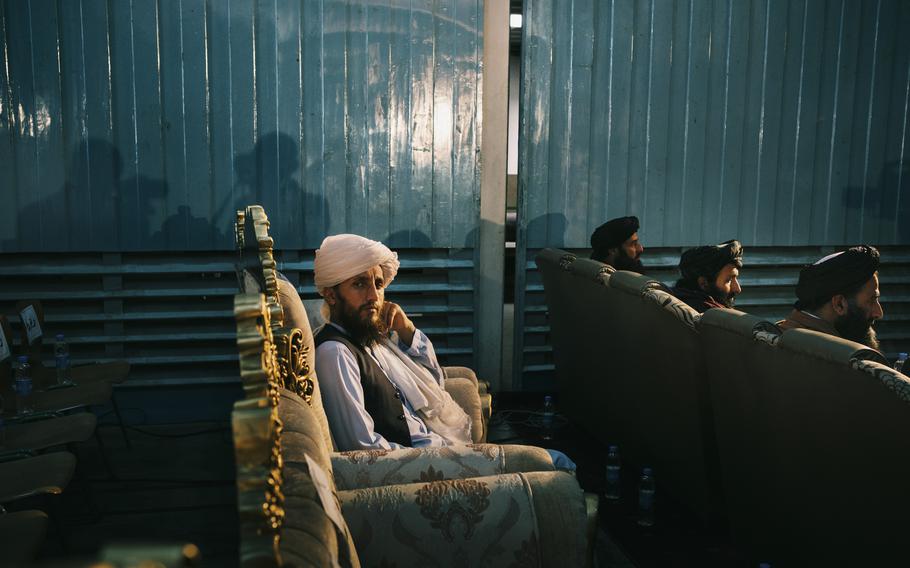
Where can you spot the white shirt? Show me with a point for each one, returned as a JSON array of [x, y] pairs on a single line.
[[342, 393]]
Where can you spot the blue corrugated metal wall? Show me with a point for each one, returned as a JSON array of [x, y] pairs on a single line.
[[137, 125], [131, 131], [779, 123]]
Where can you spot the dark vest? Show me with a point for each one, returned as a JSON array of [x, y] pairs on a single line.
[[380, 397]]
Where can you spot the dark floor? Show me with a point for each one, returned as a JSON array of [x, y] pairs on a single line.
[[175, 484]]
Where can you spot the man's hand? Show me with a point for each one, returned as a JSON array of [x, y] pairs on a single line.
[[396, 320]]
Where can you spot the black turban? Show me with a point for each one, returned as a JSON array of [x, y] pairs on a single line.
[[844, 272], [708, 260], [612, 234]]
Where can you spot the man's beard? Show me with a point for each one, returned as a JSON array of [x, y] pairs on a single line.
[[362, 331], [725, 299], [625, 262], [855, 326]]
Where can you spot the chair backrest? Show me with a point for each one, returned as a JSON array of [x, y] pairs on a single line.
[[733, 343], [257, 436], [257, 272], [282, 513], [633, 373], [825, 476]]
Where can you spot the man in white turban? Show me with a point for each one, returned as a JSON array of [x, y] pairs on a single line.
[[382, 386]]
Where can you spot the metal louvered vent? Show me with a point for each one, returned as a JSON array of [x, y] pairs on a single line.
[[170, 314]]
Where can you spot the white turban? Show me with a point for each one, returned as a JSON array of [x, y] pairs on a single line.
[[344, 256]]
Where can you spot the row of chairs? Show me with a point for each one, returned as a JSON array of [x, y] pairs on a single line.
[[792, 437], [37, 450]]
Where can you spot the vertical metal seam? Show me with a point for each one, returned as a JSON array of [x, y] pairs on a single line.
[[83, 133], [134, 112], [644, 196], [761, 121], [230, 101], [799, 107], [31, 120], [277, 107], [186, 168], [685, 164], [570, 105], [862, 216], [840, 39], [609, 109], [900, 163], [723, 140]]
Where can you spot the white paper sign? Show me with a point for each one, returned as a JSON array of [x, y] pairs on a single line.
[[4, 346], [324, 489], [30, 321]]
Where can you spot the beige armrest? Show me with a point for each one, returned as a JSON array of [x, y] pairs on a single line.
[[464, 392]]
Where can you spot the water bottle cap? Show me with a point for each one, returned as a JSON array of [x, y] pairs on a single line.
[[548, 398], [613, 448], [59, 337], [646, 471], [22, 358], [902, 355]]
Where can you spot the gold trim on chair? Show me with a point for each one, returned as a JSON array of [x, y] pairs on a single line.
[[256, 215], [257, 435], [292, 363]]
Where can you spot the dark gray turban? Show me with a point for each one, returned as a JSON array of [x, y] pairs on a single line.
[[612, 234], [708, 260], [839, 273]]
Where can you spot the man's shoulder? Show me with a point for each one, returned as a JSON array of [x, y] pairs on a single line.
[[333, 350]]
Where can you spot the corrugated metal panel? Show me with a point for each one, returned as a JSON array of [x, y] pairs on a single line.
[[768, 280], [171, 314], [778, 123], [131, 126]]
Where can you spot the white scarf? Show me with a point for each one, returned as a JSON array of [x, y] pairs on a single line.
[[439, 411]]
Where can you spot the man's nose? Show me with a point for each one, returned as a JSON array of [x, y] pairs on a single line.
[[736, 287], [877, 311], [640, 248], [372, 293]]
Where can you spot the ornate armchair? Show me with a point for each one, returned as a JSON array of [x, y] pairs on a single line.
[[293, 513]]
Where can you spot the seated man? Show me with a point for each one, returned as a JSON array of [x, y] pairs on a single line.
[[838, 295], [616, 243], [382, 386], [710, 276]]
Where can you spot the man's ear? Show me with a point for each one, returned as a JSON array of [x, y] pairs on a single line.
[[839, 304], [703, 283], [328, 294]]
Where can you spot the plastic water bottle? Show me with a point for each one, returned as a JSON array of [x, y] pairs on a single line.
[[646, 490], [23, 386], [614, 485], [62, 357], [899, 364], [547, 417]]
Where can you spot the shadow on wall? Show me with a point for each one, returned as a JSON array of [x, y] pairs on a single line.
[[267, 175]]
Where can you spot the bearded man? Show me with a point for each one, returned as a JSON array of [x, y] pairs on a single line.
[[839, 295], [616, 243], [710, 276], [382, 385]]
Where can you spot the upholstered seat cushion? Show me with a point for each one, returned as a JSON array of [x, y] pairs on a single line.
[[526, 519]]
